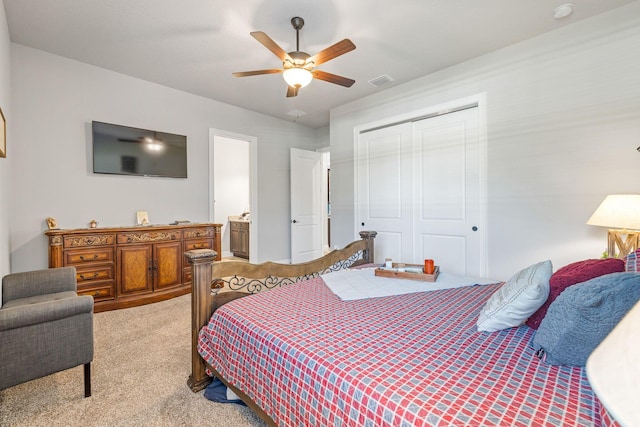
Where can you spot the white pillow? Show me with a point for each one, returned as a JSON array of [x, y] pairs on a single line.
[[517, 299]]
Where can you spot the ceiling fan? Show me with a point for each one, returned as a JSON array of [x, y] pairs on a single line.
[[298, 68]]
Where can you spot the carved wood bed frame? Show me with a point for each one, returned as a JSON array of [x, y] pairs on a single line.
[[242, 279]]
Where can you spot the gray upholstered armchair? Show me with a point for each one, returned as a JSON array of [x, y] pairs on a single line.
[[45, 327]]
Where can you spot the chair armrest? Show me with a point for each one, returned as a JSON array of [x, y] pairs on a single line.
[[48, 311], [38, 282]]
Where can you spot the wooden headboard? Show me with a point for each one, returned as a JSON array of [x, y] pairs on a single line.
[[213, 284]]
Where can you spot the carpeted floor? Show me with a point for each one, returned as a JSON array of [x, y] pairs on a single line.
[[139, 378]]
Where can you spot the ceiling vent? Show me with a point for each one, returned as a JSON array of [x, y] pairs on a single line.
[[381, 80]]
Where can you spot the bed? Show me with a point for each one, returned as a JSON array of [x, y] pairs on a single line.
[[299, 355]]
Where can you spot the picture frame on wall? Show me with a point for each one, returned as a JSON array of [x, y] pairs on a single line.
[[3, 135]]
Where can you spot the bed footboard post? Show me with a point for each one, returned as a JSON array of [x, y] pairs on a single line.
[[368, 254], [201, 307]]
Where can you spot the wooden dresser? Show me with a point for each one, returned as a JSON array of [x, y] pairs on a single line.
[[129, 266]]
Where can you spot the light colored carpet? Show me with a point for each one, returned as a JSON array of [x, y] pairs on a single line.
[[139, 378]]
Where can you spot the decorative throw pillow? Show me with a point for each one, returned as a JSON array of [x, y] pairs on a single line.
[[517, 299], [571, 274], [632, 262], [582, 316]]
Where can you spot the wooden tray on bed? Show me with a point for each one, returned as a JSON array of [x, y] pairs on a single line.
[[406, 275]]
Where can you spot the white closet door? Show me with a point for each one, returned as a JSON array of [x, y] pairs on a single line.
[[446, 192], [418, 185], [384, 175]]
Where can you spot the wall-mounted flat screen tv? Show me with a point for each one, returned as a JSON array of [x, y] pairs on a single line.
[[124, 150]]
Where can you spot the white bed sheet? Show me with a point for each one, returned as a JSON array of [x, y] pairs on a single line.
[[362, 283]]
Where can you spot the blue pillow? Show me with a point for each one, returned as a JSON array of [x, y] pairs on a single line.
[[582, 316]]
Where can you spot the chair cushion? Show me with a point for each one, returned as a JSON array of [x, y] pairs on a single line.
[[38, 299], [33, 310]]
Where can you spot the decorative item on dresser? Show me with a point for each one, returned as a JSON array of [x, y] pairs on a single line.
[[129, 266]]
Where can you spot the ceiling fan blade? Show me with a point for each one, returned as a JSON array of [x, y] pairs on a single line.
[[257, 72], [268, 42], [331, 52], [332, 78], [292, 91]]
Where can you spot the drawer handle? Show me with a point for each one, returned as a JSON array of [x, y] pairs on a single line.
[[94, 276], [96, 294], [95, 256], [200, 246]]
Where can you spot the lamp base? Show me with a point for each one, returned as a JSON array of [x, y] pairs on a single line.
[[622, 242]]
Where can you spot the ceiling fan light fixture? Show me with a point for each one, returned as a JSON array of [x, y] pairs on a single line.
[[297, 77]]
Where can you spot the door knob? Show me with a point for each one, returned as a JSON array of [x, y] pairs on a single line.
[[294, 221], [474, 228]]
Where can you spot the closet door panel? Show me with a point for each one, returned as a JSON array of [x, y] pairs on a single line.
[[442, 162], [446, 189], [384, 173], [383, 201]]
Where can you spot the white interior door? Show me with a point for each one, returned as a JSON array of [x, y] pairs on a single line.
[[446, 192], [384, 171], [418, 185], [306, 205]]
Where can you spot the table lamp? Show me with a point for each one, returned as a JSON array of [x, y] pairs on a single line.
[[621, 214], [614, 371]]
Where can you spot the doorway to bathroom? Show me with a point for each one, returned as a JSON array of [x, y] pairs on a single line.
[[232, 191]]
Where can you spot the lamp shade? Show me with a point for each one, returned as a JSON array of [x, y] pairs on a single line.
[[614, 372], [618, 211], [297, 76]]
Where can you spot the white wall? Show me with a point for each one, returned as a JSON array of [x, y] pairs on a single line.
[[5, 104], [563, 127], [231, 178], [54, 101]]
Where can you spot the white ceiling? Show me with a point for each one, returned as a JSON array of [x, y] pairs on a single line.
[[195, 45]]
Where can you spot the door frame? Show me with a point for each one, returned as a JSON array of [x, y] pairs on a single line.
[[326, 166], [253, 183], [478, 100]]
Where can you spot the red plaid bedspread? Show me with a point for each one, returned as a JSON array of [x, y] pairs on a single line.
[[310, 359]]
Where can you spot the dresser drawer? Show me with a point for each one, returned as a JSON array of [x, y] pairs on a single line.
[[195, 233], [92, 274], [89, 240], [99, 291], [190, 245], [85, 256], [149, 236]]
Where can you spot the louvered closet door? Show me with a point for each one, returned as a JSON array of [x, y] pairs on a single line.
[[446, 192], [418, 186], [384, 190]]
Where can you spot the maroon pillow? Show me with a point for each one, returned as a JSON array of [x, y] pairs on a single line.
[[572, 274]]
